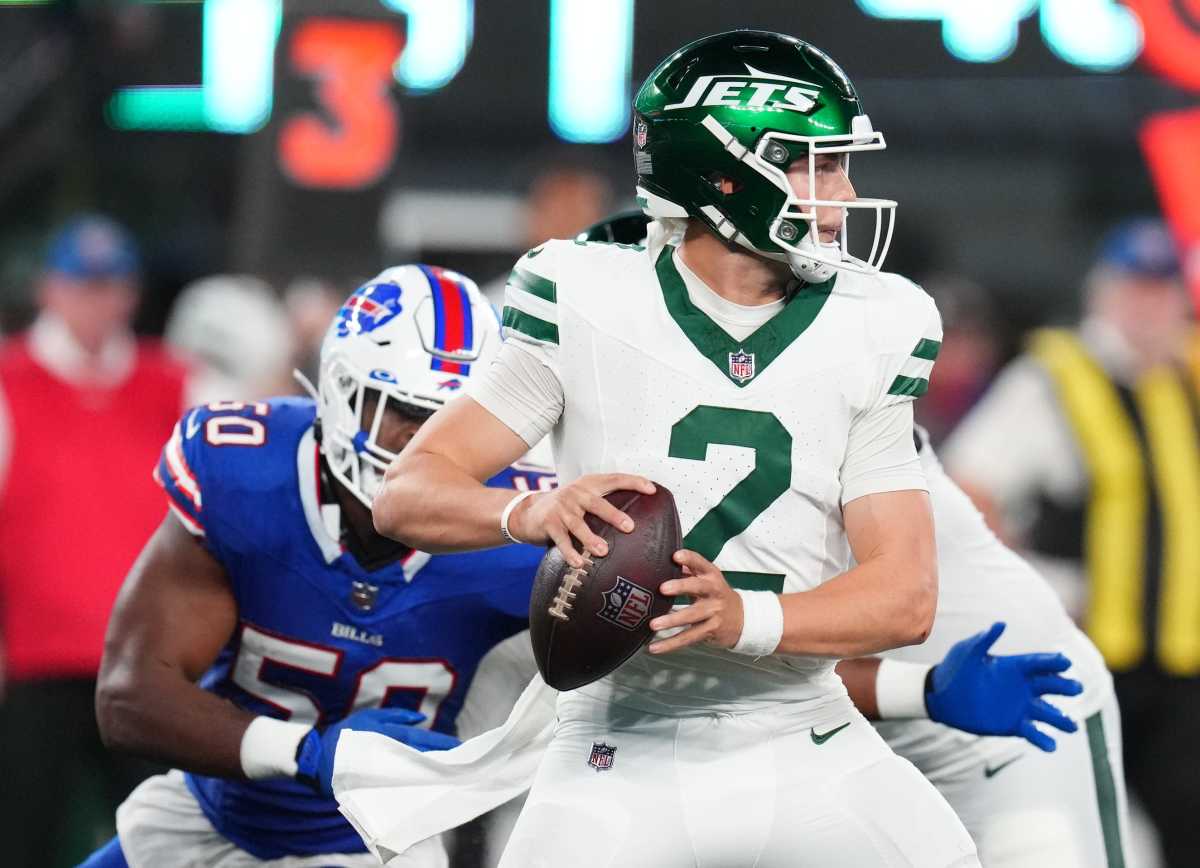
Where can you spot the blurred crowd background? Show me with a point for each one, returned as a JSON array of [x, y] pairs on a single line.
[[188, 189]]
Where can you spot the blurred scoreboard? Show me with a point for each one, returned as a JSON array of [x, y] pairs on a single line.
[[532, 69], [355, 96]]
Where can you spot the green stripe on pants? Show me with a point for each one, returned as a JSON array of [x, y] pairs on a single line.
[[1106, 792]]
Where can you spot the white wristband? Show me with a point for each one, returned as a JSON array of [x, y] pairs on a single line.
[[762, 623], [269, 748], [900, 690], [512, 504]]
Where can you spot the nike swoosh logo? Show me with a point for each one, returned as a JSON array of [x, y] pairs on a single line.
[[191, 426], [534, 252], [989, 771], [821, 738]]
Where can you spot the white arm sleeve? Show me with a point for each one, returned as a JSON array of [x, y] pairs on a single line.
[[522, 390], [880, 453]]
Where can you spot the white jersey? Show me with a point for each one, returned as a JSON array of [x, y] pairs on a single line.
[[761, 438], [980, 581]]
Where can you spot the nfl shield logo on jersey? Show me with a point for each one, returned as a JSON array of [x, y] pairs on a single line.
[[363, 595], [626, 604], [741, 365], [602, 756]]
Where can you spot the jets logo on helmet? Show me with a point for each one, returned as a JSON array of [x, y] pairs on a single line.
[[380, 353], [727, 118], [371, 306], [758, 90]]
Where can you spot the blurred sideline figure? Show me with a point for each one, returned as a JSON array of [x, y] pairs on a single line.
[[970, 353], [562, 200], [311, 302], [239, 336], [1092, 438], [266, 614], [84, 406]]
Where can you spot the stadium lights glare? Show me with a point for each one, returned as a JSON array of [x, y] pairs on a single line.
[[591, 56], [1099, 35], [238, 77], [439, 37]]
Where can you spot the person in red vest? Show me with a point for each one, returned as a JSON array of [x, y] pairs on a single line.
[[84, 408]]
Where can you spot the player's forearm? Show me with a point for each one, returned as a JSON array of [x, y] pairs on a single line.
[[859, 675], [431, 504], [877, 605], [163, 717]]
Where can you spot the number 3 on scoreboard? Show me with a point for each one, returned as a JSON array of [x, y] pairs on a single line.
[[771, 476]]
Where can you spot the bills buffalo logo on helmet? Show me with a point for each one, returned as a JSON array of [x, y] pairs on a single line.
[[370, 307]]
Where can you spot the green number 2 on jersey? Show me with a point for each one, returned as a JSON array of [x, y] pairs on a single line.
[[771, 476]]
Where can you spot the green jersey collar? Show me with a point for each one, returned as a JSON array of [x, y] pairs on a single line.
[[741, 360]]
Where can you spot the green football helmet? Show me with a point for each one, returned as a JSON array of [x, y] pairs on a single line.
[[719, 124]]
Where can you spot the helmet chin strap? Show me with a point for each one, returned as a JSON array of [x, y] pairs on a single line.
[[810, 269]]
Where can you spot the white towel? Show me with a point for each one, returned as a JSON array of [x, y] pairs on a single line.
[[396, 796]]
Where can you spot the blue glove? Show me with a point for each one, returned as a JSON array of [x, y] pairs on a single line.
[[975, 691], [314, 757]]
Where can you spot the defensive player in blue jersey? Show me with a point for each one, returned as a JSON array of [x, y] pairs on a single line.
[[265, 614]]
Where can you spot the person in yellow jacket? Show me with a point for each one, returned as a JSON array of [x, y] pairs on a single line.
[[1086, 450]]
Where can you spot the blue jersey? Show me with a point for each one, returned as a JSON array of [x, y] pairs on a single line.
[[318, 636]]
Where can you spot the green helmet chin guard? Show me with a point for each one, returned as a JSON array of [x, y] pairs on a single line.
[[718, 125]]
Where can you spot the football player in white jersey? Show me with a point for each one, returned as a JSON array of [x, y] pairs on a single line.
[[1066, 809], [1025, 808], [749, 362]]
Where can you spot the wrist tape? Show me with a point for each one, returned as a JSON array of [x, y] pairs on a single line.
[[900, 690], [508, 511], [762, 623], [269, 748]]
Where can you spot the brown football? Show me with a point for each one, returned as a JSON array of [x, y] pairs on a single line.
[[585, 623]]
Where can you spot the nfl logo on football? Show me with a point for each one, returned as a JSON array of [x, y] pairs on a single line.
[[602, 756], [625, 604], [741, 365]]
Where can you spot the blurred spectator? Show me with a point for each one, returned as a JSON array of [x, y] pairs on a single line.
[[238, 334], [561, 200], [970, 353], [84, 410], [311, 304], [1092, 438]]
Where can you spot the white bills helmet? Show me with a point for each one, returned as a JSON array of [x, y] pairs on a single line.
[[415, 335]]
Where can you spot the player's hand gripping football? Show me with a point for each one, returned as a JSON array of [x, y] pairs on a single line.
[[986, 694], [554, 517], [715, 614]]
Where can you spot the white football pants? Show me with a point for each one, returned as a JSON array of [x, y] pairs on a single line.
[[1065, 809], [161, 826], [751, 790]]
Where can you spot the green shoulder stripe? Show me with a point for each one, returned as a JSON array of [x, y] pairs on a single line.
[[530, 326], [927, 349], [534, 284], [915, 386]]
